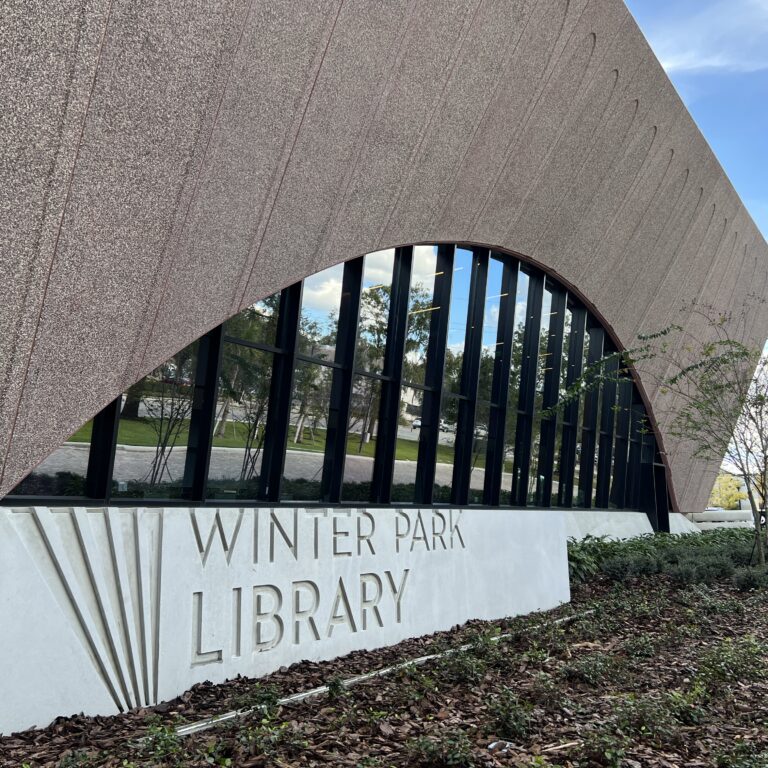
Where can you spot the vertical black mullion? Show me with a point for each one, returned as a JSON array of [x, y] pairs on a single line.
[[389, 409], [523, 435], [280, 394], [101, 454], [470, 374], [621, 449], [571, 411], [494, 463], [646, 490], [605, 443], [203, 415], [588, 436], [550, 395], [430, 411], [341, 383]]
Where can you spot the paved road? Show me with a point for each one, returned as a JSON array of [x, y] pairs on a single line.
[[132, 463]]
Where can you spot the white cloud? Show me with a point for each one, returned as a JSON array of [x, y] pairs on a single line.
[[378, 268], [725, 35], [322, 292]]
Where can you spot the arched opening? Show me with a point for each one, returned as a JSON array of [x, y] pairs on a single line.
[[421, 375]]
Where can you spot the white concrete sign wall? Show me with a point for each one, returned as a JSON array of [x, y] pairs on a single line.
[[104, 610]]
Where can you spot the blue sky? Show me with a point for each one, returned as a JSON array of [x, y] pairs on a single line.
[[716, 54]]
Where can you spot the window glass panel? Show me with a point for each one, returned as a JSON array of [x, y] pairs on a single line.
[[542, 366], [446, 449], [420, 310], [63, 472], [578, 500], [620, 443], [457, 319], [241, 417], [407, 449], [599, 418], [479, 452], [306, 434], [559, 416], [153, 431], [493, 301], [257, 323], [318, 323], [521, 306], [374, 311], [361, 438]]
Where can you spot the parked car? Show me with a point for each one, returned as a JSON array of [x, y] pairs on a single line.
[[446, 426], [416, 424]]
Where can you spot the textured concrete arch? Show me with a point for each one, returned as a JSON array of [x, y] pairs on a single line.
[[169, 163]]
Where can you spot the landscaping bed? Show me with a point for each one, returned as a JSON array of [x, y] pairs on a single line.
[[661, 661]]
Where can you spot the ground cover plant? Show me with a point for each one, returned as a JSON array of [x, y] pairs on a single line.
[[660, 661]]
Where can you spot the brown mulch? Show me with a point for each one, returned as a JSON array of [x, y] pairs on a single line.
[[648, 679]]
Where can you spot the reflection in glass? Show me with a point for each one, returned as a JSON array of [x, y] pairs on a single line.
[[493, 301], [306, 434], [578, 499], [241, 417], [457, 320], [257, 323], [318, 323], [559, 416], [446, 449], [153, 430], [535, 480], [407, 449], [361, 438], [513, 399], [420, 311], [374, 311], [157, 412]]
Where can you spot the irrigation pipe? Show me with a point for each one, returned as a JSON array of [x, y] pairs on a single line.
[[295, 698]]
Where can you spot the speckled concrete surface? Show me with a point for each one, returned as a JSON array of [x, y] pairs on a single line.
[[165, 164]]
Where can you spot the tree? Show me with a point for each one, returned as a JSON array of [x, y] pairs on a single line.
[[713, 393], [721, 403], [168, 409], [726, 492]]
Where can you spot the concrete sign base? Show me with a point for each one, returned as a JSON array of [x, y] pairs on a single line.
[[107, 609]]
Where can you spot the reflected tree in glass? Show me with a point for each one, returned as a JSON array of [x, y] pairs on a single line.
[[168, 404], [245, 381]]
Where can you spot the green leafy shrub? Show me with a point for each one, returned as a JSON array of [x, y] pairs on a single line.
[[604, 746], [714, 567], [450, 749], [619, 567], [461, 667], [269, 737], [687, 706], [683, 574], [748, 579], [639, 646], [163, 743], [596, 669], [258, 696], [732, 661], [510, 717], [647, 720]]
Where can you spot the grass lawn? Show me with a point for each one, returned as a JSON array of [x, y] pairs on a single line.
[[659, 662], [139, 432]]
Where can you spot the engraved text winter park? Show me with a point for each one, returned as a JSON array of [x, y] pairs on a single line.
[[300, 611]]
